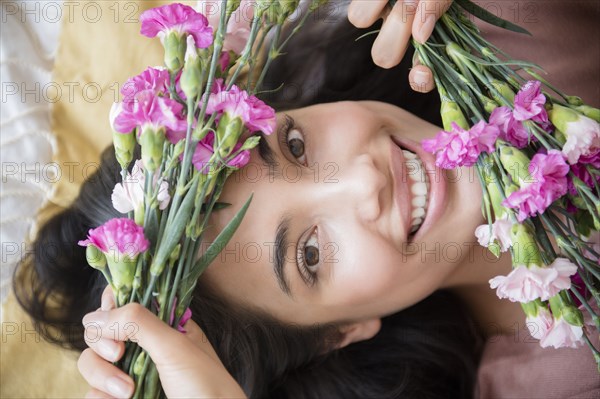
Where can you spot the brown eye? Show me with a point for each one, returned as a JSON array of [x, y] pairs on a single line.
[[296, 147], [311, 255], [295, 143]]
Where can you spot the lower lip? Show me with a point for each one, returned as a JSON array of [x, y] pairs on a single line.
[[437, 185]]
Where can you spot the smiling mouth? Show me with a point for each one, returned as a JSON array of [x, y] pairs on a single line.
[[419, 190]]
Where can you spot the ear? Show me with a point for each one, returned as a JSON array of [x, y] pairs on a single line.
[[358, 331]]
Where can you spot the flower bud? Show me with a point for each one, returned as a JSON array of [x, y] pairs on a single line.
[[250, 143], [232, 5], [175, 46], [138, 366], [228, 133], [567, 311], [525, 248], [560, 116], [516, 163], [506, 92], [286, 8], [124, 143], [574, 100], [590, 112], [191, 76], [152, 142], [450, 112], [95, 258]]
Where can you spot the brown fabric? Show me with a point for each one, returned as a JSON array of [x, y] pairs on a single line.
[[517, 367], [565, 40]]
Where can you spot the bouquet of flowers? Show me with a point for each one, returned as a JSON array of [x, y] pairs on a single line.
[[537, 154], [195, 125]]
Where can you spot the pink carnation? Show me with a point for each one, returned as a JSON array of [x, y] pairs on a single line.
[[525, 284], [549, 174], [540, 324], [257, 115], [121, 234], [529, 104], [178, 18], [204, 151], [580, 169], [129, 195], [150, 110], [153, 79], [511, 129], [238, 26], [583, 139], [187, 314], [460, 147], [562, 335], [499, 232]]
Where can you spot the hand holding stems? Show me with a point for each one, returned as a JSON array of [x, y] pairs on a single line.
[[400, 21], [187, 364]]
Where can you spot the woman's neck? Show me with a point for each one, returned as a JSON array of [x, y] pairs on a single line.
[[470, 282]]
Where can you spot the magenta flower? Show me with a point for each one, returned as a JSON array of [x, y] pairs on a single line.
[[549, 182], [460, 147], [153, 79], [256, 115], [562, 335], [580, 170], [511, 130], [120, 234], [529, 104], [150, 111], [177, 18], [525, 284], [204, 151], [187, 314]]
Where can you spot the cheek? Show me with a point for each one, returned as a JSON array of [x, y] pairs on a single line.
[[365, 269]]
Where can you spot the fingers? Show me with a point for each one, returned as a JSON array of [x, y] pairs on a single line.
[[136, 323], [392, 41], [364, 13], [103, 376], [420, 79], [428, 12], [108, 299]]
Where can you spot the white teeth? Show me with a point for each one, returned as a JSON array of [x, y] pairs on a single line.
[[419, 201], [409, 155], [418, 213], [419, 189]]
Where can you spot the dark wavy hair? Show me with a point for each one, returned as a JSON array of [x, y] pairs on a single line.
[[430, 350]]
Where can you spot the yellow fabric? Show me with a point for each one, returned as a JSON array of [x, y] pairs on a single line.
[[99, 48]]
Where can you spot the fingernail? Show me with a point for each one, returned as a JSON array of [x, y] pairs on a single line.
[[420, 78], [97, 318], [118, 387], [108, 349], [426, 28]]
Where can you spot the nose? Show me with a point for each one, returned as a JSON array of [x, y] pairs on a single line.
[[358, 186]]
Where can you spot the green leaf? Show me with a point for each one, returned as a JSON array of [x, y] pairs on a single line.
[[222, 239], [488, 17]]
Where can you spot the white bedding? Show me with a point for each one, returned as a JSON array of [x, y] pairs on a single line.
[[28, 44]]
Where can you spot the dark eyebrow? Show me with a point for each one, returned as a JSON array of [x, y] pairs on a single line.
[[281, 246]]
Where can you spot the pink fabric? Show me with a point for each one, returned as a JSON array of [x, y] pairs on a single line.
[[523, 370]]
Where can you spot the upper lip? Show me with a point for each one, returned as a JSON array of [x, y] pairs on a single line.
[[400, 184]]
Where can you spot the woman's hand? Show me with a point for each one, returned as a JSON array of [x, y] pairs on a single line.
[[405, 18], [187, 364]]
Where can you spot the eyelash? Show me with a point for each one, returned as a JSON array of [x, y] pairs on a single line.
[[284, 135], [309, 276]]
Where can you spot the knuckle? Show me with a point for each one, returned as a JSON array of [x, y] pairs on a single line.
[[133, 311]]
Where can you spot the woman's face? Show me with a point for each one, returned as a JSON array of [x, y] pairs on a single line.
[[327, 237]]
